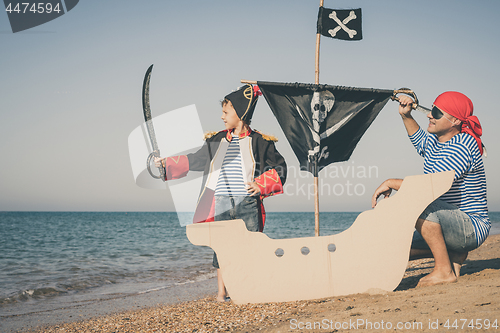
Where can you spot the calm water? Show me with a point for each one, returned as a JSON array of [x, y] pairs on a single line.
[[51, 260], [56, 259]]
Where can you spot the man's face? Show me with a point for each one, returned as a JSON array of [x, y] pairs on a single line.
[[229, 116], [442, 125]]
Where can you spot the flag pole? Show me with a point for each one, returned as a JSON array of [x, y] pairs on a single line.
[[318, 36], [316, 182]]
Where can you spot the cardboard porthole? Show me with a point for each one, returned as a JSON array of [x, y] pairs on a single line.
[[305, 250], [332, 247], [279, 253]]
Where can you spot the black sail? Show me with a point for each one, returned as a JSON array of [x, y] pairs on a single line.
[[323, 123]]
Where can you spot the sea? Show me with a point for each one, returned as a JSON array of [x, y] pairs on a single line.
[[61, 260]]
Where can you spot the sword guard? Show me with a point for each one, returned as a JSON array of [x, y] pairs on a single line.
[[155, 153]]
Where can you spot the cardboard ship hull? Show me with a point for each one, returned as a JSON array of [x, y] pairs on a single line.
[[371, 255]]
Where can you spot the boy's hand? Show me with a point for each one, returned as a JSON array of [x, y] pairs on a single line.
[[158, 162], [253, 188]]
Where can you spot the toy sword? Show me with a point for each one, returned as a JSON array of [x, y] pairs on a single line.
[[149, 123]]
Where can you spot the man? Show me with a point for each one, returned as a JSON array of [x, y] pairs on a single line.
[[457, 222]]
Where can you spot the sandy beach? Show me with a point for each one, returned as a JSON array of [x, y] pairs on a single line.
[[471, 304]]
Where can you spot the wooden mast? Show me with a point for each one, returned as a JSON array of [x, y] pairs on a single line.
[[315, 172], [318, 36]]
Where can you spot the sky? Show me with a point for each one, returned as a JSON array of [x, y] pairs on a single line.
[[70, 90]]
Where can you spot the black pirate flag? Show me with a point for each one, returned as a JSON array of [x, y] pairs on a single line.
[[323, 123], [340, 23]]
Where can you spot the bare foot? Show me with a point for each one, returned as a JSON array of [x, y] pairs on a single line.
[[457, 259], [435, 278]]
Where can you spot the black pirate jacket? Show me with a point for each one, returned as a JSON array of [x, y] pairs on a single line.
[[261, 162]]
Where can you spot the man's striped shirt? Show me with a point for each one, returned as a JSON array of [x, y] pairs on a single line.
[[460, 154], [230, 180]]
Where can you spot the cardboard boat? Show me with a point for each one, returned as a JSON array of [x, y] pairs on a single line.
[[371, 255]]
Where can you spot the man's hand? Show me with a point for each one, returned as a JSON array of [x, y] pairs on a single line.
[[253, 188], [158, 162], [405, 105], [386, 189]]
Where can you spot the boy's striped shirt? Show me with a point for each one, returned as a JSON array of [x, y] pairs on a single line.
[[230, 180], [468, 191]]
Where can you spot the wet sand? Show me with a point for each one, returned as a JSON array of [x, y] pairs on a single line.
[[471, 302]]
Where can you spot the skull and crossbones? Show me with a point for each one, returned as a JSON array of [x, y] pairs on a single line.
[[342, 24], [322, 102]]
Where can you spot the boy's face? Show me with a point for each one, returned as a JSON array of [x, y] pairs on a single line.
[[229, 116]]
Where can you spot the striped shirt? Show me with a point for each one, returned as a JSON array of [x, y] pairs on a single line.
[[230, 180], [468, 192]]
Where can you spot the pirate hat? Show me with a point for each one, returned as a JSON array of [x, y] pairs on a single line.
[[244, 100]]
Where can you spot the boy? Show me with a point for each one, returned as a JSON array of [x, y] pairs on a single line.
[[241, 167]]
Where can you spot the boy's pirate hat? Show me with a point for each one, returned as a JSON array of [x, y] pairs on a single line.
[[244, 100]]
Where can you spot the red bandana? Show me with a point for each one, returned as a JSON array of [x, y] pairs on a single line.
[[460, 106]]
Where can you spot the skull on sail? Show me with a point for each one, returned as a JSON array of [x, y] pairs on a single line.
[[321, 103]]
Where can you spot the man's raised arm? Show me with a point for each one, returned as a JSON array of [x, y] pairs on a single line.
[[405, 108]]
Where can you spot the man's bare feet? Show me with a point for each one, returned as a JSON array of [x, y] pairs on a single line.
[[457, 259], [435, 278]]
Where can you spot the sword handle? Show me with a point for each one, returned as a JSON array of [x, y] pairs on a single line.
[[162, 170], [411, 93], [408, 92]]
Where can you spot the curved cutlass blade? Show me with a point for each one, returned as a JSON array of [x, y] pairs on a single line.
[[149, 124]]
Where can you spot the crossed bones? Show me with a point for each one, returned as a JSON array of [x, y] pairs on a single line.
[[342, 24]]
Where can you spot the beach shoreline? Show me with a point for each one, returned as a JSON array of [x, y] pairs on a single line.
[[104, 307], [475, 298]]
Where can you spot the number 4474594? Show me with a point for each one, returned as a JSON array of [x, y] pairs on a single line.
[[472, 324], [36, 8]]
